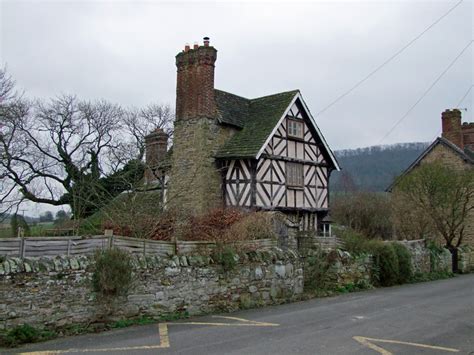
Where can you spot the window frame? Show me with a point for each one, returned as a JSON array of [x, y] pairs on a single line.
[[291, 170], [289, 122]]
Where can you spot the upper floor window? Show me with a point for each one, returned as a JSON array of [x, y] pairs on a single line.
[[294, 174], [295, 128]]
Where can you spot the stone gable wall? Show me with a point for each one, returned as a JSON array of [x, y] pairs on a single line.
[[195, 181], [441, 153], [451, 159]]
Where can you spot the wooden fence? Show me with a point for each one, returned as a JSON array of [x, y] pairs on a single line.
[[327, 243], [53, 246]]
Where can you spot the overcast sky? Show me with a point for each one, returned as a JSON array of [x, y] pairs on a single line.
[[123, 51]]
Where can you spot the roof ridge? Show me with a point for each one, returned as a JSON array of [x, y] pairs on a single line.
[[229, 93], [453, 146], [278, 93]]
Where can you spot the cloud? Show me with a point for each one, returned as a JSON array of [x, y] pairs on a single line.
[[124, 52]]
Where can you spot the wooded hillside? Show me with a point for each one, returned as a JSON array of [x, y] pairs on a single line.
[[373, 168]]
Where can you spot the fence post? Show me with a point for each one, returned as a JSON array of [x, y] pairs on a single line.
[[109, 233], [21, 252], [68, 247]]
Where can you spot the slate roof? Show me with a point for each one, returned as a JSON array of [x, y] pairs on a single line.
[[467, 155], [256, 118]]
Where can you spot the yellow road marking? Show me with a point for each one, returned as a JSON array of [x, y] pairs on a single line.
[[367, 342], [226, 324], [243, 323], [263, 324], [164, 337], [164, 343]]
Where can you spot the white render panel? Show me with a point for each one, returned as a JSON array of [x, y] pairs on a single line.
[[299, 198], [264, 172], [291, 149], [299, 150], [230, 170]]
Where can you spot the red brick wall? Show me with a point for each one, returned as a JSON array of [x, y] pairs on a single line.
[[451, 124], [195, 83], [468, 135]]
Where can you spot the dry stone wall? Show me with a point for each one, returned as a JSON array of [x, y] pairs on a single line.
[[466, 258], [57, 292], [424, 260]]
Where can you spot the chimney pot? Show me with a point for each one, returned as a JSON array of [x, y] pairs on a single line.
[[196, 45], [195, 82], [206, 41], [186, 47]]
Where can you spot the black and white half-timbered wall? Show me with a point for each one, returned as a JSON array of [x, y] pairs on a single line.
[[260, 154], [289, 173]]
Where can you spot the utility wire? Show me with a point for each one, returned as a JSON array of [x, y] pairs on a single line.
[[465, 95], [426, 91], [389, 59]]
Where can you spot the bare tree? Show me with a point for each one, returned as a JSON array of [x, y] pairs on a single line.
[[52, 151], [444, 196], [63, 151], [11, 104], [141, 122]]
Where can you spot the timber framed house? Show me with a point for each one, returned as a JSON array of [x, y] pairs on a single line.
[[261, 154]]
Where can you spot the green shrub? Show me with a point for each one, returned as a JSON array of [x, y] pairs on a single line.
[[392, 261], [113, 272], [226, 256], [355, 243], [405, 269], [317, 275], [386, 261], [26, 333]]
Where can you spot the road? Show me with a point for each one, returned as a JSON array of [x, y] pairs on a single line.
[[426, 318]]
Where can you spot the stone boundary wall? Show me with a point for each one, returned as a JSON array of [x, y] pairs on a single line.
[[466, 258], [342, 269], [423, 260], [56, 292]]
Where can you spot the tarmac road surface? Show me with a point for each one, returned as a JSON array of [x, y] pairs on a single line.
[[425, 318]]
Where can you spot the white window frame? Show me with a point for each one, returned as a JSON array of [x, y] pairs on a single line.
[[295, 128]]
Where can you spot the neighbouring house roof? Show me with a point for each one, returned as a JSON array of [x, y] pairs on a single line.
[[257, 120], [467, 155]]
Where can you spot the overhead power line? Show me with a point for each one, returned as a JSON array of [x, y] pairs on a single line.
[[438, 78], [396, 54], [465, 95]]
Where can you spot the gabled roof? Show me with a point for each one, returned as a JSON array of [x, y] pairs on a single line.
[[232, 109], [257, 119], [467, 155]]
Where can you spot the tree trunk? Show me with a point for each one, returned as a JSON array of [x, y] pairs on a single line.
[[454, 258]]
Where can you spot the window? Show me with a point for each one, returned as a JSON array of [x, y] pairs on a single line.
[[295, 128], [294, 174]]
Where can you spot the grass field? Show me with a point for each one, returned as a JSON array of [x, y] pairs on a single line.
[[36, 230]]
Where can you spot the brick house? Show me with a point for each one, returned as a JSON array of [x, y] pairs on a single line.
[[265, 153], [455, 149]]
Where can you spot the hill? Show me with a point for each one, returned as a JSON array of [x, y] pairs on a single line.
[[373, 168]]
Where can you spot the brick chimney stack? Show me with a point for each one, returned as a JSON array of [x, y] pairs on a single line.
[[195, 84], [156, 144], [468, 135], [451, 126]]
